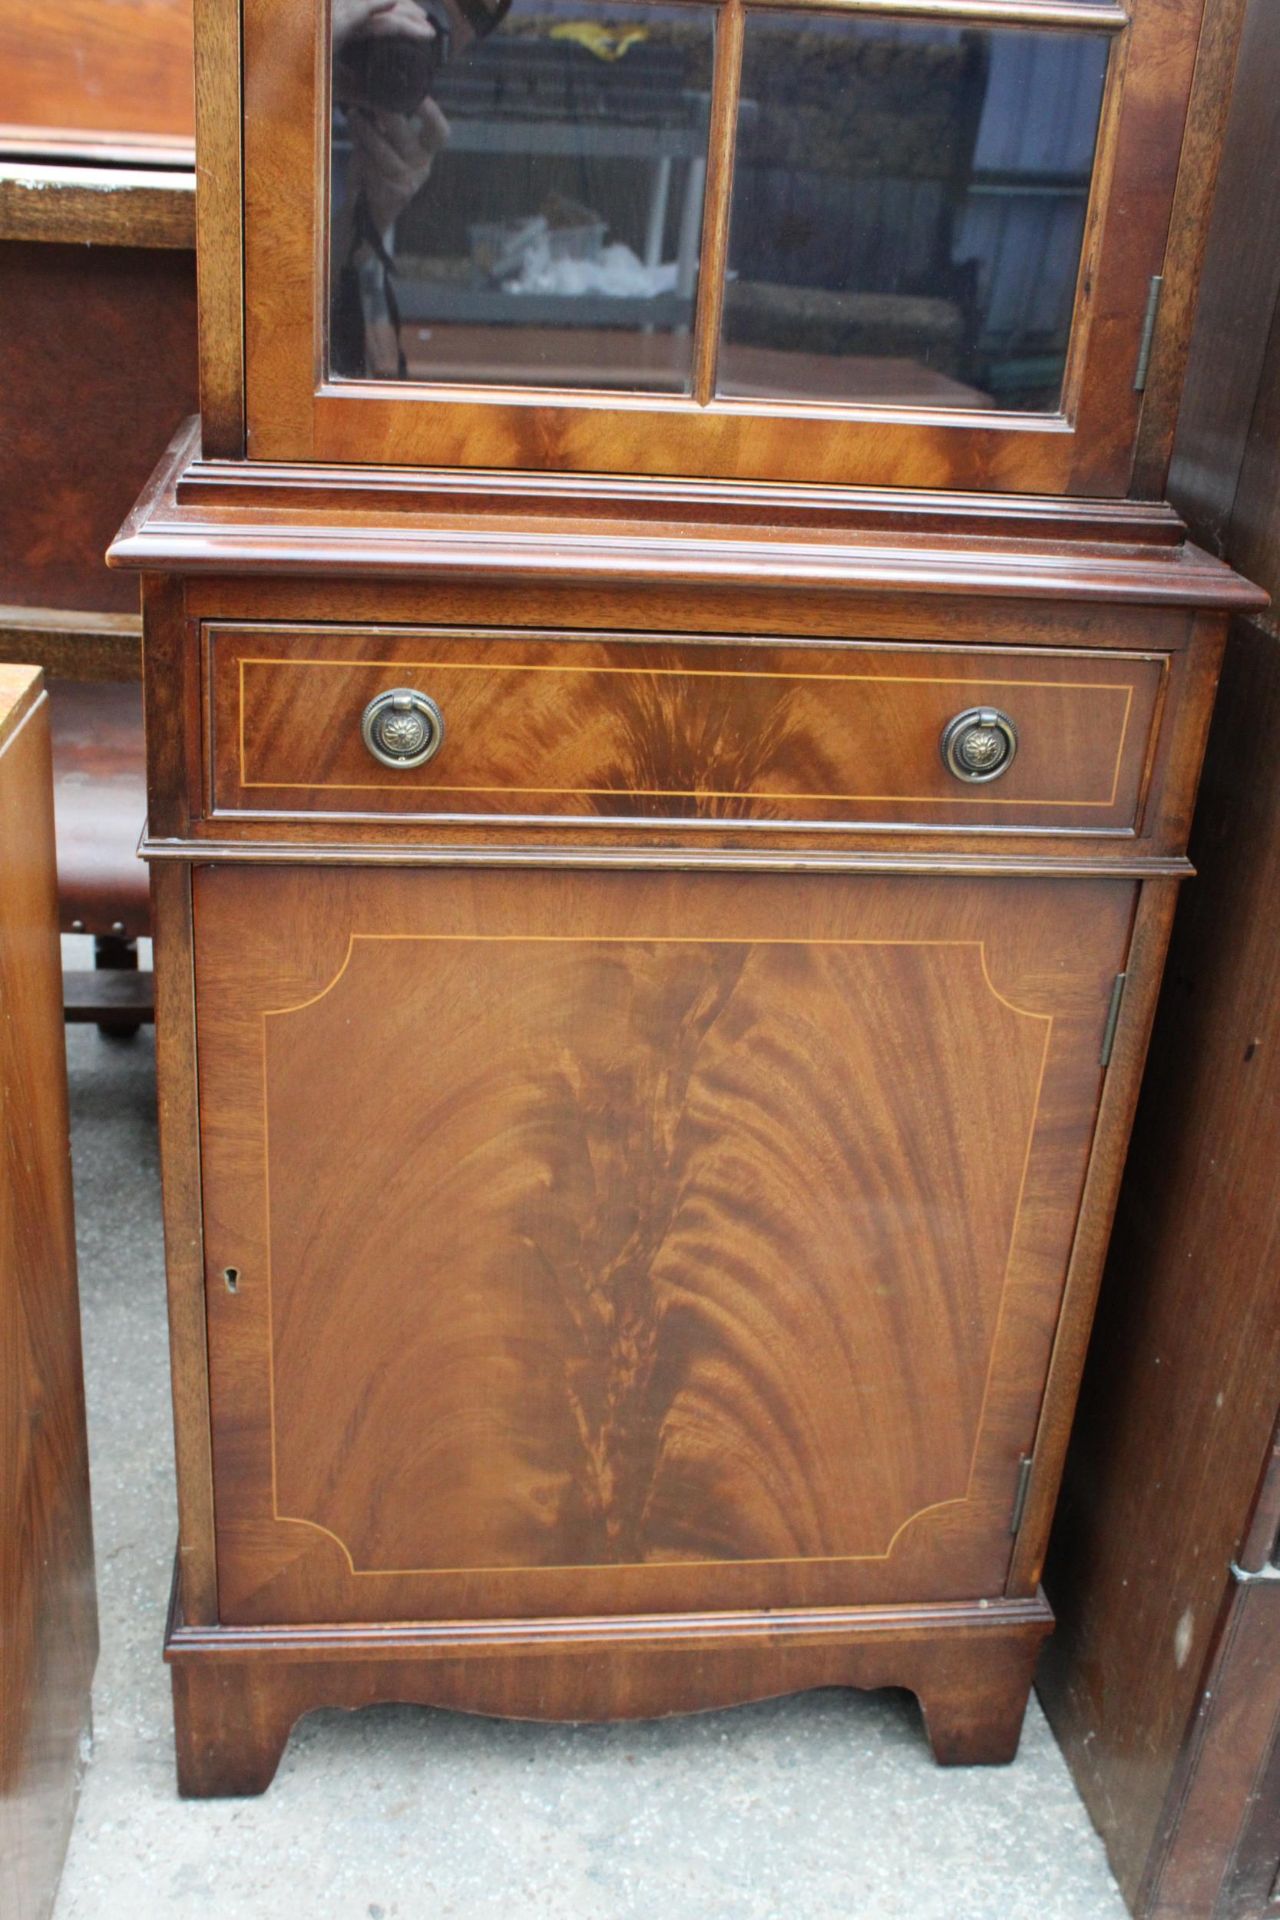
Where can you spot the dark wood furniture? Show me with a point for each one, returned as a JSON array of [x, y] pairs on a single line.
[[659, 906], [48, 1615], [1163, 1682], [93, 334], [97, 367], [97, 321]]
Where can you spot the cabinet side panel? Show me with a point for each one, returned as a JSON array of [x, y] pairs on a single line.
[[183, 1235], [48, 1613]]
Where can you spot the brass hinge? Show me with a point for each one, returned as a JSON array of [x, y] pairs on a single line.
[[1113, 1019], [1020, 1493], [1148, 332]]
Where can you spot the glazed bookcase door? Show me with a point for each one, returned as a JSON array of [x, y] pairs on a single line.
[[826, 240], [604, 1243]]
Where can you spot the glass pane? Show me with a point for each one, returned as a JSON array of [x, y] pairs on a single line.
[[517, 195], [908, 208]]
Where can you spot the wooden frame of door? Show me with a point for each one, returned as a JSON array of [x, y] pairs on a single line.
[[294, 412]]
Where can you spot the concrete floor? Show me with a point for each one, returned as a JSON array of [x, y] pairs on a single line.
[[825, 1805]]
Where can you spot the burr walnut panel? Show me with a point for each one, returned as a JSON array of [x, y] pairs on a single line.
[[625, 1242], [617, 727]]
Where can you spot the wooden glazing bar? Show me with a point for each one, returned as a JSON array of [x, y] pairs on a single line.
[[723, 133]]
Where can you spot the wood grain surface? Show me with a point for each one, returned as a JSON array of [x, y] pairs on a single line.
[[530, 537], [103, 206], [634, 497], [97, 367], [220, 218], [72, 646], [96, 67], [100, 808], [1212, 98], [1179, 1399], [1227, 372], [1220, 1854], [179, 1119], [723, 1285], [1162, 1683], [614, 727], [48, 1616], [237, 1692], [799, 747]]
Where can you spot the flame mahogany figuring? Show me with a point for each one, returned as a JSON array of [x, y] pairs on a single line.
[[636, 1186]]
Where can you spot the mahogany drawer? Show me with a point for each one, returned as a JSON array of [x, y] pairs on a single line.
[[610, 728]]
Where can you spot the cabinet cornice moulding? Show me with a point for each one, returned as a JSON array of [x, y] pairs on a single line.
[[201, 518]]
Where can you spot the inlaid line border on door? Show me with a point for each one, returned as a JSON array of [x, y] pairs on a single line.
[[808, 1560]]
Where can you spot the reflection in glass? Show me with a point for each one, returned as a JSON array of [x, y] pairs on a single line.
[[517, 194], [907, 213]]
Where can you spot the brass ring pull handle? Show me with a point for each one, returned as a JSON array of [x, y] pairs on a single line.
[[979, 744], [402, 728]]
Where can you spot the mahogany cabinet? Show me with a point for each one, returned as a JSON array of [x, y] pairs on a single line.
[[48, 1611], [659, 898]]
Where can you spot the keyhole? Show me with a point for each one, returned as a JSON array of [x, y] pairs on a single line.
[[232, 1277]]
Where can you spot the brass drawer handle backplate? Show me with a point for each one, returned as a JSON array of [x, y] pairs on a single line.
[[402, 728], [979, 744]]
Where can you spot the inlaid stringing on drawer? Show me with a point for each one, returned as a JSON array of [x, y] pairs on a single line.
[[667, 730]]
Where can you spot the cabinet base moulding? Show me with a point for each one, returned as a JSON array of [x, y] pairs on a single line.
[[238, 1691]]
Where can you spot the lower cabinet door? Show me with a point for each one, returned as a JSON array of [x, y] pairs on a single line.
[[600, 1242]]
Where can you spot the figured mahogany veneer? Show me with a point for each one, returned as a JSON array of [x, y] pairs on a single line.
[[727, 1223], [636, 1187], [617, 726]]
